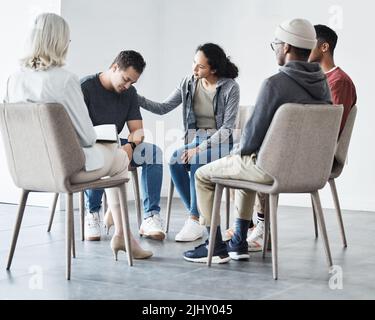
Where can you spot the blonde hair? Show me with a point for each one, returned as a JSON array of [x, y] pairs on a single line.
[[48, 42]]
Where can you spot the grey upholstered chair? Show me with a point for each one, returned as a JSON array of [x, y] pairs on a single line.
[[338, 166], [43, 154], [134, 173], [298, 153]]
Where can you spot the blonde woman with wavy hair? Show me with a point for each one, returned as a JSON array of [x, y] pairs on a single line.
[[48, 43], [42, 79]]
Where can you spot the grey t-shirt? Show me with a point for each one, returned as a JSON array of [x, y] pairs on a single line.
[[108, 107], [204, 107]]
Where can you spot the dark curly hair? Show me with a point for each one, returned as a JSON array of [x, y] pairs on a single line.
[[218, 61], [130, 58]]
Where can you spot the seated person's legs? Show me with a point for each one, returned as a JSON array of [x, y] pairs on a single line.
[[92, 219], [94, 197], [192, 230], [117, 242], [180, 174], [237, 245], [183, 177], [150, 158], [116, 162], [230, 167], [203, 158], [255, 239], [205, 197]]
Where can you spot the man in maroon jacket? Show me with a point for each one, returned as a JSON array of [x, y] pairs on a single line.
[[342, 87]]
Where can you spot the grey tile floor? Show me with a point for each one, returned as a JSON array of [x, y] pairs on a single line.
[[39, 263]]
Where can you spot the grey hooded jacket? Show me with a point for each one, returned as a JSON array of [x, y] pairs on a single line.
[[226, 102], [297, 82]]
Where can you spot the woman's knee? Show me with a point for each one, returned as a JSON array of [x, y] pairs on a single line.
[[176, 156], [147, 153]]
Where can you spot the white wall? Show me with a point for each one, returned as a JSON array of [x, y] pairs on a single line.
[[16, 17], [167, 32]]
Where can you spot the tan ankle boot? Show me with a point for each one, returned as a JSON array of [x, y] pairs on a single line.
[[118, 243]]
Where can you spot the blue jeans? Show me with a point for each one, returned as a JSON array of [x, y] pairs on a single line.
[[150, 158], [183, 175]]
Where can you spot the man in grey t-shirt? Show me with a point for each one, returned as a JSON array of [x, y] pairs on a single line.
[[111, 99]]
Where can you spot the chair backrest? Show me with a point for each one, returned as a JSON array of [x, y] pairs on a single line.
[[244, 114], [343, 144], [41, 146], [299, 147]]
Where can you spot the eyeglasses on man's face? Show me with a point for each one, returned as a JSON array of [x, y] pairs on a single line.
[[274, 44]]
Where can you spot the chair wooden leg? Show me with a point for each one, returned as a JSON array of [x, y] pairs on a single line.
[[266, 225], [322, 226], [52, 213], [68, 234], [105, 203], [82, 213], [314, 217], [137, 196], [227, 198], [269, 245], [269, 242], [17, 226], [169, 205], [338, 210], [215, 221], [73, 236], [125, 222], [273, 202]]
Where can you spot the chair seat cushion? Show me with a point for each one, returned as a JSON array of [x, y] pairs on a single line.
[[242, 184], [100, 183]]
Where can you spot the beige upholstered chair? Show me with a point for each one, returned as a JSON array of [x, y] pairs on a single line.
[[244, 114], [134, 173], [340, 158], [43, 153], [298, 152], [338, 166]]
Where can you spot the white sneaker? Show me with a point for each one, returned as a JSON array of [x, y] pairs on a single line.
[[92, 226], [191, 231], [255, 239], [152, 228]]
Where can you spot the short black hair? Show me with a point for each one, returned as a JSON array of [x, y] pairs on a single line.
[[130, 58], [326, 34], [302, 53]]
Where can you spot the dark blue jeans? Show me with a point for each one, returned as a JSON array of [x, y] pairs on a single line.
[[183, 175], [150, 158]]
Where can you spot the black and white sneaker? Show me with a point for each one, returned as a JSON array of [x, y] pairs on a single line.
[[200, 253], [238, 251]]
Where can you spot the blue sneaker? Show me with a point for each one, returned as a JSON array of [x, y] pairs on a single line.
[[200, 253], [238, 251]]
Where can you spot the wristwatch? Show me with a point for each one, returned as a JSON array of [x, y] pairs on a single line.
[[133, 145]]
